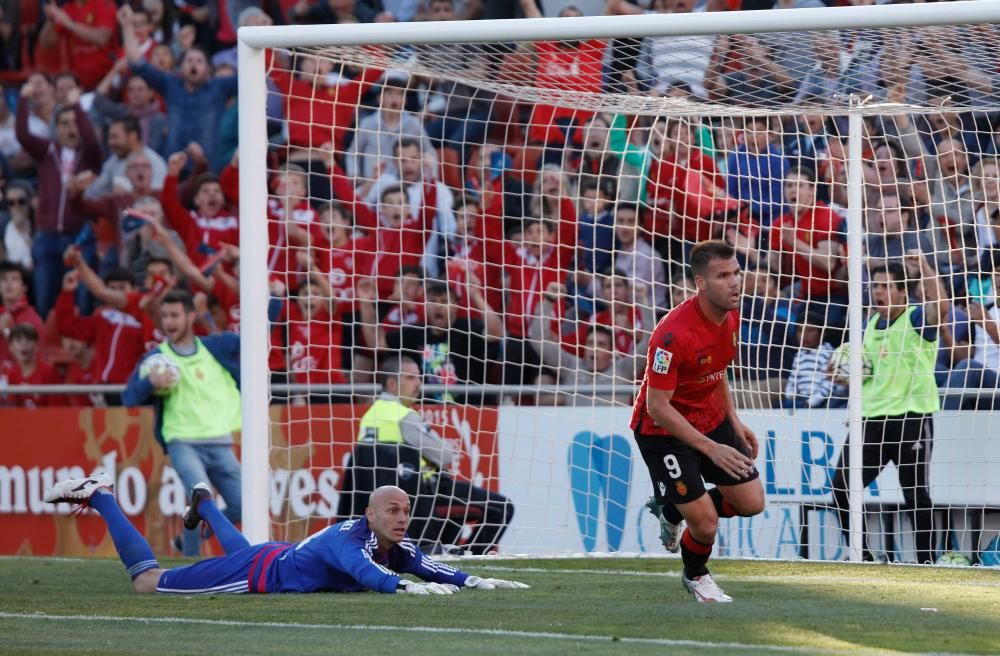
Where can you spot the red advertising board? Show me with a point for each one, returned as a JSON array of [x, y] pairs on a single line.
[[310, 446]]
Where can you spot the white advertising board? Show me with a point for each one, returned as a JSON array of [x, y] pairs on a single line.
[[579, 483]]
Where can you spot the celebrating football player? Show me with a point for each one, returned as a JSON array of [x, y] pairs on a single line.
[[685, 422]]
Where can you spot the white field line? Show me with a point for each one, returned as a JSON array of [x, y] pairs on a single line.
[[500, 633], [756, 578]]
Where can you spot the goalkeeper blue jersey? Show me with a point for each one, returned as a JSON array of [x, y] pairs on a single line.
[[340, 558], [344, 558]]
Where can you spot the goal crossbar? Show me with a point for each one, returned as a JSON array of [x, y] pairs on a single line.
[[614, 27]]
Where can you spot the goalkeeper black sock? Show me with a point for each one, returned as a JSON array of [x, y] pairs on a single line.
[[695, 555], [722, 507]]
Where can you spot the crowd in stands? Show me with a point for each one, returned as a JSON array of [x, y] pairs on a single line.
[[494, 240]]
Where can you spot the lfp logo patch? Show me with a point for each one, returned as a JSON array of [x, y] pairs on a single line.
[[661, 360]]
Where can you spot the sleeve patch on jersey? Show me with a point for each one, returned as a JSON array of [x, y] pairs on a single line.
[[661, 360]]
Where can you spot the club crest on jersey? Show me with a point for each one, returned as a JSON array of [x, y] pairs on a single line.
[[682, 488], [704, 360], [661, 361]]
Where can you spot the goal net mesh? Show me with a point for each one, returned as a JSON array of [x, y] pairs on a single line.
[[514, 218]]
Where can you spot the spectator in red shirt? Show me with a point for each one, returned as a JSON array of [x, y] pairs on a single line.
[[290, 219], [575, 66], [320, 105], [26, 368], [210, 224], [626, 310], [118, 336], [405, 306], [334, 254], [142, 24], [14, 306], [313, 341], [425, 195], [542, 257], [144, 304], [399, 241], [806, 244], [490, 176], [475, 253], [87, 27], [687, 192]]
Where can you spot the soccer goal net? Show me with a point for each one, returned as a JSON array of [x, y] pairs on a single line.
[[482, 222]]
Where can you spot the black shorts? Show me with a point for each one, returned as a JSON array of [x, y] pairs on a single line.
[[679, 472]]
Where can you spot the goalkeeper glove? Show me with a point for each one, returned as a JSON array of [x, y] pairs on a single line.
[[411, 587], [494, 584]]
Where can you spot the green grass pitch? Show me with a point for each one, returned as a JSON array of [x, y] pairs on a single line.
[[587, 606]]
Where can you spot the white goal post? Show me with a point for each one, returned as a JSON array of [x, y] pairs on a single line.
[[256, 444]]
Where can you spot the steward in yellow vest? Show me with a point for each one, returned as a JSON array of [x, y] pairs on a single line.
[[449, 505]]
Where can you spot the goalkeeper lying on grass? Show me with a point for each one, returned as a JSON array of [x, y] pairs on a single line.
[[356, 555]]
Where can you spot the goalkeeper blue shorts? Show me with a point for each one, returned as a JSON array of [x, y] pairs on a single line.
[[235, 573]]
